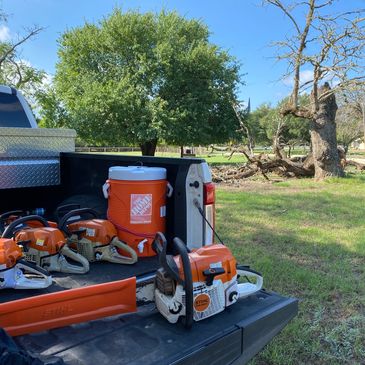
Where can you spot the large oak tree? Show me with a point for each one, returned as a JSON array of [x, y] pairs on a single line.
[[140, 78]]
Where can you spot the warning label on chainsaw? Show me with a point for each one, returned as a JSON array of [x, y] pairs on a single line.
[[141, 208]]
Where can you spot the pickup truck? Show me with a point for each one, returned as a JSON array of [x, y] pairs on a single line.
[[39, 169]]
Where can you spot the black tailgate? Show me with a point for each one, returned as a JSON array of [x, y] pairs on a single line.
[[231, 337]]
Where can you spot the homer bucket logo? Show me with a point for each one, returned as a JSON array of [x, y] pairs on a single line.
[[141, 208]]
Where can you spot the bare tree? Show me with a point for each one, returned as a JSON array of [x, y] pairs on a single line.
[[331, 47], [240, 113], [15, 71]]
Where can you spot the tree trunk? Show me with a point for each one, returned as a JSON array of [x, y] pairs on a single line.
[[323, 138], [148, 148], [363, 117]]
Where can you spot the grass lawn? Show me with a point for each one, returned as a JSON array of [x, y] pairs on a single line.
[[308, 240], [216, 158]]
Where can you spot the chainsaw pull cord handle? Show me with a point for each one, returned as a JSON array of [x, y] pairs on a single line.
[[181, 248], [62, 224], [10, 229]]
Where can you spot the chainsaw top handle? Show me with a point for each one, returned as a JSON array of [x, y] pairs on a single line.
[[169, 264], [10, 229], [78, 213]]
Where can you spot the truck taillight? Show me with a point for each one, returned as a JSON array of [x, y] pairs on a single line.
[[209, 212], [209, 193]]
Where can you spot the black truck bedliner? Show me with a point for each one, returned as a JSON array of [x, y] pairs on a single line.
[[231, 337]]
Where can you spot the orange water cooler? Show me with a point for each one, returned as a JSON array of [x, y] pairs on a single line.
[[137, 204]]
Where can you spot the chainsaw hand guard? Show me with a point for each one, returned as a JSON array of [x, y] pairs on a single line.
[[185, 282]]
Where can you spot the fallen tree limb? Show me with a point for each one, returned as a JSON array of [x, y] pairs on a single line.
[[358, 165]]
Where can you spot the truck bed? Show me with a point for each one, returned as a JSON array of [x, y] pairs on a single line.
[[231, 337]]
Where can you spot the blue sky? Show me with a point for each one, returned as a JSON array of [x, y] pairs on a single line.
[[243, 27]]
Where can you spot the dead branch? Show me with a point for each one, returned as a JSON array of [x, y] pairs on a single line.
[[32, 32]]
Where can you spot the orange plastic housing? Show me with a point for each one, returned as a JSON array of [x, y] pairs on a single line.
[[138, 210], [43, 312], [207, 257], [10, 252], [46, 239], [96, 230]]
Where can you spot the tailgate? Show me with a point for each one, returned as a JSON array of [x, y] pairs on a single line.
[[231, 337]]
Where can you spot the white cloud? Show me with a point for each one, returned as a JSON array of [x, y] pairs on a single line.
[[306, 76], [4, 33]]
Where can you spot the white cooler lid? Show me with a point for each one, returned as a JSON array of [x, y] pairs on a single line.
[[137, 173]]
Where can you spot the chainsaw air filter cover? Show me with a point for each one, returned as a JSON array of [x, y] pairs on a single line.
[[99, 231], [46, 239]]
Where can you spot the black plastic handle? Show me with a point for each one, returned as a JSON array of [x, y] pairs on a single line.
[[34, 267], [63, 209], [10, 229], [6, 215], [181, 248], [159, 245], [62, 224]]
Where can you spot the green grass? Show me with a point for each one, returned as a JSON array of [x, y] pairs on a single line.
[[217, 158], [308, 240]]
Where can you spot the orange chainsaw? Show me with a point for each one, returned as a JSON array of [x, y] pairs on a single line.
[[95, 239], [44, 245], [199, 284], [16, 273]]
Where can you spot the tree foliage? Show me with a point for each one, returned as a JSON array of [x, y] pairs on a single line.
[[140, 78], [266, 120]]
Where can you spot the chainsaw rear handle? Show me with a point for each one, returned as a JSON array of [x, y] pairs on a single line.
[[34, 268], [10, 229], [62, 224]]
